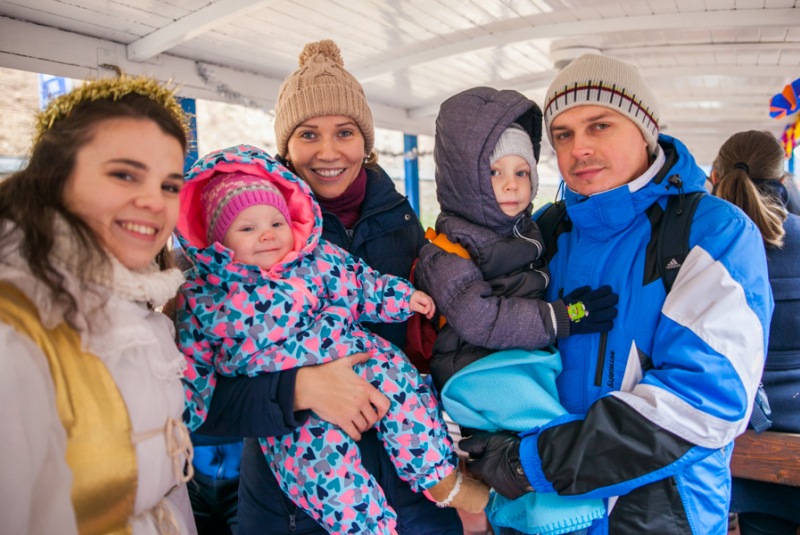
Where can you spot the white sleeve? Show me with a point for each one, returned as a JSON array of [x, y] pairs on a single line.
[[36, 481]]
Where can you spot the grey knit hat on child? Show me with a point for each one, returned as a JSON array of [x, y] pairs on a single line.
[[515, 140], [598, 80]]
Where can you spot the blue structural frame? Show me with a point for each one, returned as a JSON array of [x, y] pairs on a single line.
[[412, 171], [190, 108]]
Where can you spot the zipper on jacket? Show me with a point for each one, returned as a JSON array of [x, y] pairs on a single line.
[[292, 523], [601, 360]]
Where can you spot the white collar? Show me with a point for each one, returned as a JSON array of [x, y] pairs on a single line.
[[86, 279], [652, 171]]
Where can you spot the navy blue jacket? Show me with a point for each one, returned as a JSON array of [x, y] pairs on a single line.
[[387, 236], [782, 370]]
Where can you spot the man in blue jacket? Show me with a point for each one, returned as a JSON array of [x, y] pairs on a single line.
[[655, 403]]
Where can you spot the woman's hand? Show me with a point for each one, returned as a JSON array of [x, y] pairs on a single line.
[[339, 396], [422, 303]]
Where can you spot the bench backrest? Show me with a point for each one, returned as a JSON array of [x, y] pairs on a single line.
[[770, 456]]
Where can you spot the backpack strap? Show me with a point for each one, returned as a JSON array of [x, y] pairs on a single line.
[[673, 236], [672, 250], [552, 223], [443, 242]]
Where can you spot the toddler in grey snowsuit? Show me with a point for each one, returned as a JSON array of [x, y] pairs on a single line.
[[487, 145]]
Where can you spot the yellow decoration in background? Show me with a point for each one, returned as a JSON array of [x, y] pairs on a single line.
[[110, 89], [791, 137]]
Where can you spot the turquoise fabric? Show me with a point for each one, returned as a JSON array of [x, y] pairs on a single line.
[[516, 390]]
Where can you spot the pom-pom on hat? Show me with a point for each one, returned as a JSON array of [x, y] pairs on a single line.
[[515, 140], [227, 194], [321, 86], [598, 80]]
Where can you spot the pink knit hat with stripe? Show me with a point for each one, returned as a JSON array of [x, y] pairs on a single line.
[[227, 194]]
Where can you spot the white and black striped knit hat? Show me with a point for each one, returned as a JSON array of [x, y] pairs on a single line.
[[598, 80]]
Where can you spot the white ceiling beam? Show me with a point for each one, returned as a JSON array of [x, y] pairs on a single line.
[[702, 48], [757, 71], [674, 100], [192, 25], [698, 20], [541, 79], [31, 47], [724, 116]]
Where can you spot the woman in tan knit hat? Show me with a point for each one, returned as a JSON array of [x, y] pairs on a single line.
[[324, 132], [323, 124]]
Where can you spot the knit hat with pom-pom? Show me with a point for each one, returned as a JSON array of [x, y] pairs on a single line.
[[321, 86]]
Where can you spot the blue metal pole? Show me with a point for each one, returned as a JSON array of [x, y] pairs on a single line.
[[190, 108], [412, 171], [792, 161]]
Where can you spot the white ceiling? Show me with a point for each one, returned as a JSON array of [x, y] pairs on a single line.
[[714, 64]]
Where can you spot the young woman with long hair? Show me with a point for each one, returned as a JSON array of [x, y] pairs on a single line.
[[90, 387]]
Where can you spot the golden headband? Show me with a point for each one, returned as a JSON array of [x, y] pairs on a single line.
[[110, 89]]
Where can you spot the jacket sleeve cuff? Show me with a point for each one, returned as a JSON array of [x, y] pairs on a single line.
[[532, 464], [285, 398], [562, 318]]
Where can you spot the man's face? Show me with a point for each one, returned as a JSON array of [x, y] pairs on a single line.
[[598, 149]]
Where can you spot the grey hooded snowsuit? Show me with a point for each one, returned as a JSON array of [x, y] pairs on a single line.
[[491, 301]]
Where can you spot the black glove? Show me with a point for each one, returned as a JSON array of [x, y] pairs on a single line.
[[494, 459], [591, 311]]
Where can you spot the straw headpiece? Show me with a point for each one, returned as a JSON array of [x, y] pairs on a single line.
[[110, 89]]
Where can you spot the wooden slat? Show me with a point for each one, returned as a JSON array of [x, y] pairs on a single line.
[[191, 5], [192, 25], [70, 14], [165, 9], [637, 8], [689, 6], [149, 17], [719, 5], [661, 6], [497, 9], [749, 4], [58, 20], [337, 17], [382, 17], [587, 13], [771, 457]]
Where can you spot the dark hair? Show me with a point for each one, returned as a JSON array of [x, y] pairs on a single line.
[[758, 155], [32, 198]]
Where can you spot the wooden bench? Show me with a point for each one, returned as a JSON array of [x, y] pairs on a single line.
[[771, 456]]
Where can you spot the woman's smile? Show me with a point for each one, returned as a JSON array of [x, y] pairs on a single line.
[[329, 173], [141, 230]]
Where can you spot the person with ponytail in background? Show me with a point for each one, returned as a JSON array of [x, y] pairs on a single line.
[[747, 172]]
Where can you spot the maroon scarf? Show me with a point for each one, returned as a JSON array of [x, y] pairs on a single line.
[[347, 206]]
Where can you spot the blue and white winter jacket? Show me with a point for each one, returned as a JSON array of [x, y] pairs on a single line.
[[655, 403]]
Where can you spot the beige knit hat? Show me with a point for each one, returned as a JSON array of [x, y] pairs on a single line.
[[602, 81], [321, 86]]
